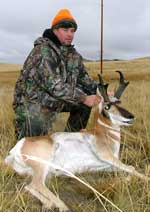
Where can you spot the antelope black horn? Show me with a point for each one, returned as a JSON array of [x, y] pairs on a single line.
[[103, 89], [122, 86]]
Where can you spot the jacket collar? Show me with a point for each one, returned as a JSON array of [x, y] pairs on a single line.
[[52, 40], [48, 33]]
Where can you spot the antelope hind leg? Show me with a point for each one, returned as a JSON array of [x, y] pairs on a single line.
[[38, 189], [39, 196], [49, 200]]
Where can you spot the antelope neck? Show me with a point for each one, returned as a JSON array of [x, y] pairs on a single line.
[[107, 126]]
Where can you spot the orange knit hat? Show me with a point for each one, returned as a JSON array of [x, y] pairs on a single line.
[[63, 16]]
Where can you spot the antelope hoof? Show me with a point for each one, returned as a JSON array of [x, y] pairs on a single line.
[[56, 210], [50, 210], [46, 210], [132, 168]]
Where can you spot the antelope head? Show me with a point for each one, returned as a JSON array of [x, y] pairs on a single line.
[[110, 105]]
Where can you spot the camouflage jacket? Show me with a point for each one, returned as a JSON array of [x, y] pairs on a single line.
[[52, 76]]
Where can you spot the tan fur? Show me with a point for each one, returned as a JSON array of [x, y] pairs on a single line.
[[39, 146], [44, 138]]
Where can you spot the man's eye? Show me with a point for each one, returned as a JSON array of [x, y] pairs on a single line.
[[73, 30]]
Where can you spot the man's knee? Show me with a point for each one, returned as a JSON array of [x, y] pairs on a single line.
[[32, 121]]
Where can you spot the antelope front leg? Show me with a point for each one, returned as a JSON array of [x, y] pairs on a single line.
[[118, 164]]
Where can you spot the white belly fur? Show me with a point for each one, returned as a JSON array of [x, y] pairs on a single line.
[[74, 153]]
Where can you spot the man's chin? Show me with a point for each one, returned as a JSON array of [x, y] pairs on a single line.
[[67, 43]]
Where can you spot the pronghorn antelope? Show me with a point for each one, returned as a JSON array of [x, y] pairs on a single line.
[[97, 149]]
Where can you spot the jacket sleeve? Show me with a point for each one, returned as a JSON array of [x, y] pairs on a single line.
[[85, 82], [53, 82]]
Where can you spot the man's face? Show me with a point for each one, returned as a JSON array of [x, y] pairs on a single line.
[[64, 35]]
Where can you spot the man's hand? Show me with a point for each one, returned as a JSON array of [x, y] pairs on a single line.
[[91, 100]]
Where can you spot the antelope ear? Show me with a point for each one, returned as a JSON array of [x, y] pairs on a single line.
[[100, 105], [98, 93]]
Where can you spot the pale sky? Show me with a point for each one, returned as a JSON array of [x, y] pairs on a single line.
[[126, 27]]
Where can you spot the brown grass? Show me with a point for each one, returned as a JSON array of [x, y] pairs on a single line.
[[132, 196], [138, 69]]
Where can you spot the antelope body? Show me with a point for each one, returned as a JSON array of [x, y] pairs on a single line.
[[93, 150]]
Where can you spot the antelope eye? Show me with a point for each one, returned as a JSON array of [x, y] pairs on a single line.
[[107, 107]]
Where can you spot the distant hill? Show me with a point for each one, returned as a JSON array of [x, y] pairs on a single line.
[[116, 59]]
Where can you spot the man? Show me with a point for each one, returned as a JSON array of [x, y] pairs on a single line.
[[53, 80]]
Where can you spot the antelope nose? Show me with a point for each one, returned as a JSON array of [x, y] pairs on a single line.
[[131, 116]]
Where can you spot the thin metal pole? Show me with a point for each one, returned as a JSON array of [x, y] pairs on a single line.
[[101, 47]]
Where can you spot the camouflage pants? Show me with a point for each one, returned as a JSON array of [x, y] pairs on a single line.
[[32, 120], [79, 116]]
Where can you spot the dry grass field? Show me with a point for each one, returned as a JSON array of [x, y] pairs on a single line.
[[129, 196]]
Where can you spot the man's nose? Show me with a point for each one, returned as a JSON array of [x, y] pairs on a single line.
[[70, 34]]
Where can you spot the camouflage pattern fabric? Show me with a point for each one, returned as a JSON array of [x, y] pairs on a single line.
[[33, 120], [51, 78]]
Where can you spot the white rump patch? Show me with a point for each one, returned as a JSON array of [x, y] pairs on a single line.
[[15, 159]]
